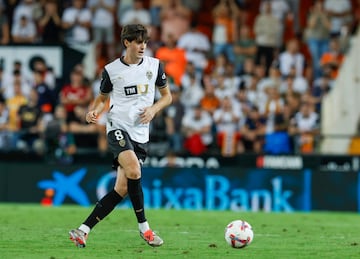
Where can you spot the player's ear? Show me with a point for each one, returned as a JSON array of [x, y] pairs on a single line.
[[126, 43]]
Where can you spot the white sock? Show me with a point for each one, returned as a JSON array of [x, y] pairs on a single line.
[[84, 229], [143, 227]]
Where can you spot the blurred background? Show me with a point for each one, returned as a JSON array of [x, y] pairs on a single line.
[[265, 96]]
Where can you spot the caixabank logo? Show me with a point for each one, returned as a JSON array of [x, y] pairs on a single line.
[[65, 186]]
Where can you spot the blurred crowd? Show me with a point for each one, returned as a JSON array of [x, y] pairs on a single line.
[[245, 75]]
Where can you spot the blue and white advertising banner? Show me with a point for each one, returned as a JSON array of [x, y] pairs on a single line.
[[223, 188]]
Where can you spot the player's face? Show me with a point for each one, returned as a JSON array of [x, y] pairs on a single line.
[[136, 49]]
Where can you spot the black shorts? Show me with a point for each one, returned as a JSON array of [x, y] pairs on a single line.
[[120, 141]]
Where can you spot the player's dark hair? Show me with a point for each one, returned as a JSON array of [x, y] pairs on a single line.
[[137, 32]]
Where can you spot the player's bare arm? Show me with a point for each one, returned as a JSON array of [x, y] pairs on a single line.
[[149, 112], [97, 108]]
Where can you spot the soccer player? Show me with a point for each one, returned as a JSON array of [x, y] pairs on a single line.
[[130, 83]]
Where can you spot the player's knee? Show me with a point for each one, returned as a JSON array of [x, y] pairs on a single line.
[[133, 174]]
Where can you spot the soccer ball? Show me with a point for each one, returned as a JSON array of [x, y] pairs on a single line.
[[239, 234]]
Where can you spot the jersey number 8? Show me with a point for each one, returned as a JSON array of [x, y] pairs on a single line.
[[120, 137]]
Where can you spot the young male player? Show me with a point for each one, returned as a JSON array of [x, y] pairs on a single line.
[[130, 83]]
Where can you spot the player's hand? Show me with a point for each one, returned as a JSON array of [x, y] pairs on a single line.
[[147, 115], [91, 117]]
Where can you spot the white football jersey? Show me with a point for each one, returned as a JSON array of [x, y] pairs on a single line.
[[131, 88]]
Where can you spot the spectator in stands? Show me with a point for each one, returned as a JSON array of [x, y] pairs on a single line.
[[307, 97], [292, 102], [174, 114], [60, 143], [76, 22], [267, 29], [340, 13], [253, 132], [252, 94], [274, 78], [190, 72], [46, 96], [242, 103], [294, 83], [38, 63], [122, 7], [209, 102], [31, 9], [175, 19], [222, 89], [273, 106], [333, 58], [292, 58], [220, 62], [29, 113], [174, 59], [154, 40], [197, 47], [4, 27], [197, 129], [77, 97], [158, 133], [9, 8], [50, 24], [18, 66], [317, 33], [192, 93], [321, 87], [232, 81], [260, 73], [194, 6], [304, 128], [24, 31], [226, 120], [260, 88], [225, 14], [155, 10], [75, 94], [102, 25], [14, 103], [278, 141], [244, 47], [8, 83], [79, 126], [5, 135], [289, 27], [29, 120], [248, 71], [279, 9], [137, 14]]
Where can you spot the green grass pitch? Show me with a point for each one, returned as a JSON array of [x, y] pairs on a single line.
[[32, 231]]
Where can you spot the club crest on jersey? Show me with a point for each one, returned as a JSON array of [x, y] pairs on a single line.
[[122, 142], [136, 89], [149, 75]]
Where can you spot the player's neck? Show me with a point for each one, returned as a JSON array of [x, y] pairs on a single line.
[[131, 60]]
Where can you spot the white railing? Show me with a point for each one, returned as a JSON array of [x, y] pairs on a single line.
[[341, 107]]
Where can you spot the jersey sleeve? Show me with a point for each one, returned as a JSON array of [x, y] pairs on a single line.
[[105, 86], [161, 81]]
